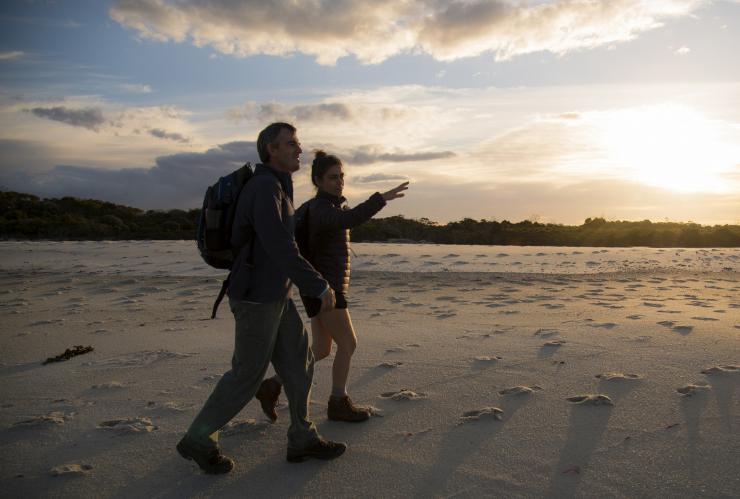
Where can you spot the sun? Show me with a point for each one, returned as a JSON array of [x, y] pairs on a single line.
[[669, 146]]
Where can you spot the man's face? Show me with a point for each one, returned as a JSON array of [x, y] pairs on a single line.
[[285, 152]]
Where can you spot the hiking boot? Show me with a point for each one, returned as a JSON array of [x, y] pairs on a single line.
[[210, 460], [268, 394], [322, 449], [343, 409]]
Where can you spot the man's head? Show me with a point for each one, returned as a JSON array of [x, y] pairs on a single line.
[[278, 146]]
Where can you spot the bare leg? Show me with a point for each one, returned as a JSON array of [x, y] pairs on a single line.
[[321, 344], [338, 324]]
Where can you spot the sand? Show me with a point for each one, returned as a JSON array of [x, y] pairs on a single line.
[[492, 371]]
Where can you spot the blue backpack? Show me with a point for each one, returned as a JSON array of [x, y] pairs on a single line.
[[215, 222]]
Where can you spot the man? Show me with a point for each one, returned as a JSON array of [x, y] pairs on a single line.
[[268, 327]]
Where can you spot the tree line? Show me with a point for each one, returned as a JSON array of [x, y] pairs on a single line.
[[25, 216]]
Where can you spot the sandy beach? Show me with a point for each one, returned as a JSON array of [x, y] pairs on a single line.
[[493, 372]]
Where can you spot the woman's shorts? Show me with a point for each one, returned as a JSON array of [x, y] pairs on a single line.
[[313, 304]]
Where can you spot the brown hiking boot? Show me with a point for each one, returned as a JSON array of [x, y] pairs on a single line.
[[210, 460], [322, 449], [343, 409], [268, 394]]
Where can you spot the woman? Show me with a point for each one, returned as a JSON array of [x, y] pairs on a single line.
[[329, 220]]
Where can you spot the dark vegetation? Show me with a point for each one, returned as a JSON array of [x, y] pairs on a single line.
[[23, 216]]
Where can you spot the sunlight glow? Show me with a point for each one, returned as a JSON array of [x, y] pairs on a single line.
[[670, 146]]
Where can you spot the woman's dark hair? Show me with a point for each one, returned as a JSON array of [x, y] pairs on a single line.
[[321, 163]]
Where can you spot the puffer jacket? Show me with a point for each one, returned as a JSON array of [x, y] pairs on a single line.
[[329, 220]]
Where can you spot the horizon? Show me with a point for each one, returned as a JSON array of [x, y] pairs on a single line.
[[419, 219], [549, 111]]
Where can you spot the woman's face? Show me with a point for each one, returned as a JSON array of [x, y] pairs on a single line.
[[333, 181]]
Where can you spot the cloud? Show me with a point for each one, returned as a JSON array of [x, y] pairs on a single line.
[[378, 177], [375, 30], [366, 155], [176, 180], [11, 56], [90, 117], [270, 112], [136, 88], [683, 51], [161, 134]]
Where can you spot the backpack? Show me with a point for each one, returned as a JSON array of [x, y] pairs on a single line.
[[215, 222]]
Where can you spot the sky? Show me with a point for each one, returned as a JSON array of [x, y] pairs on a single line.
[[551, 111]]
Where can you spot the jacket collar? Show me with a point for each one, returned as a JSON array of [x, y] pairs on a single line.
[[285, 178], [338, 200]]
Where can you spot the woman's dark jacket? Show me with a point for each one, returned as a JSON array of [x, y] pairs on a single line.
[[329, 220]]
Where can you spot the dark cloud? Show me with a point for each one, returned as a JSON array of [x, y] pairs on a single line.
[[378, 177], [270, 112], [162, 134], [175, 181], [322, 112], [90, 117], [369, 155]]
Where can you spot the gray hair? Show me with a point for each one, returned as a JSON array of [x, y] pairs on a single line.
[[268, 136]]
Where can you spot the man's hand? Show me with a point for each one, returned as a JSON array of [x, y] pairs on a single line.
[[328, 301], [396, 192]]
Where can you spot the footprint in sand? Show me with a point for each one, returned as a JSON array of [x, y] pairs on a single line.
[[553, 306], [168, 406], [484, 412], [546, 333], [390, 365], [635, 317], [244, 426], [138, 359], [682, 329], [128, 426], [404, 394], [486, 359], [604, 325], [591, 399], [520, 390], [71, 469], [554, 343], [654, 305], [693, 389], [618, 376], [46, 421], [722, 370], [705, 318], [395, 350], [666, 323]]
